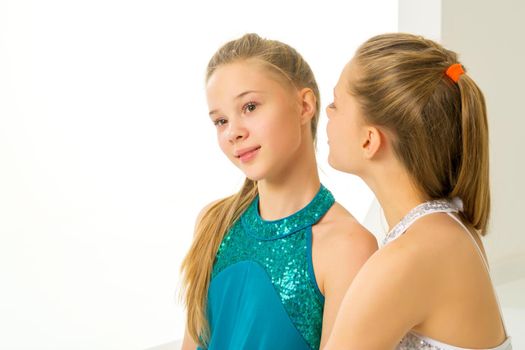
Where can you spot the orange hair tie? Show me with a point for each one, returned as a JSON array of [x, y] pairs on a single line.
[[455, 71]]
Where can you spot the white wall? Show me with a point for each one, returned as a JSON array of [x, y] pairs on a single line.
[[420, 17], [107, 153], [489, 39], [488, 35]]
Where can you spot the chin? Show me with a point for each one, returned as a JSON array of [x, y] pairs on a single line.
[[253, 174], [340, 166], [334, 164]]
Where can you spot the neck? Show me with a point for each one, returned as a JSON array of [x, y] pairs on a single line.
[[282, 195], [395, 192]]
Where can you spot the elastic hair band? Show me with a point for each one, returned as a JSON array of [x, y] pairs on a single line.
[[455, 71]]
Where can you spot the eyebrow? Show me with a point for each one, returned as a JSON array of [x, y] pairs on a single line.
[[244, 93]]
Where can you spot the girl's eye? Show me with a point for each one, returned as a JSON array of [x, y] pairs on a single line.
[[220, 122], [249, 107], [331, 105]]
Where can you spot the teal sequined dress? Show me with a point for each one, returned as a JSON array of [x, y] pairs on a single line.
[[263, 293]]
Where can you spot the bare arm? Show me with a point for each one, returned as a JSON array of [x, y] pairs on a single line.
[[385, 301], [340, 258]]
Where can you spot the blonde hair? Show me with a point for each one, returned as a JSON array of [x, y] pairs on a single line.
[[289, 66], [439, 127]]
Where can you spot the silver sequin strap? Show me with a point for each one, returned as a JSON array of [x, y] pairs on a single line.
[[435, 206]]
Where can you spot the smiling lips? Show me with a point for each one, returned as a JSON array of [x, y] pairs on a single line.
[[247, 154]]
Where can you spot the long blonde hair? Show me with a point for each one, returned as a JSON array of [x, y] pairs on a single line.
[[291, 68], [439, 127]]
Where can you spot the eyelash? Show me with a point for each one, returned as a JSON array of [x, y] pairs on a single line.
[[220, 122], [247, 105], [331, 105]]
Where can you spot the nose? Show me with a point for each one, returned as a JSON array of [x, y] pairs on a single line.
[[236, 131]]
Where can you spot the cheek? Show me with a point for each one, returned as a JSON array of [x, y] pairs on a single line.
[[283, 131], [330, 128], [336, 130], [223, 142], [342, 155], [341, 139], [287, 136]]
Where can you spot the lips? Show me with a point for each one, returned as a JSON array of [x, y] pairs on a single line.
[[246, 154]]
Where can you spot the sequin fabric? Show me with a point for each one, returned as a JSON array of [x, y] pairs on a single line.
[[412, 341], [281, 248], [435, 206]]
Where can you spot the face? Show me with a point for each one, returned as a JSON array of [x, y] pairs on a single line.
[[346, 127], [256, 116]]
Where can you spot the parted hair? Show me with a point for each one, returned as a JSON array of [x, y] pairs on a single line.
[[289, 67]]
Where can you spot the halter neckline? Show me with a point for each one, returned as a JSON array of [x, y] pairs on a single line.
[[433, 206], [262, 229]]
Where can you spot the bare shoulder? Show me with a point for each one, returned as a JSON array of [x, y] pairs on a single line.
[[430, 267], [339, 227], [340, 246], [416, 260], [387, 294], [401, 273], [448, 252], [203, 212], [400, 256], [206, 208], [414, 253], [440, 238]]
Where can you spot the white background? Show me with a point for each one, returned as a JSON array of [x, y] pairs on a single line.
[[489, 39], [107, 153]]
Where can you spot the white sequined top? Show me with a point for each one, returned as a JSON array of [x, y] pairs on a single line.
[[412, 340]]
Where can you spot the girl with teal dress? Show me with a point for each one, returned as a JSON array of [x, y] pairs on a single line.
[[269, 266]]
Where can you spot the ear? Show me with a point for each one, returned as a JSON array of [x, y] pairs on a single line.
[[308, 105], [373, 141]]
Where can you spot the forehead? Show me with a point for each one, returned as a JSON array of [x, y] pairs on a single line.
[[242, 73], [348, 73]]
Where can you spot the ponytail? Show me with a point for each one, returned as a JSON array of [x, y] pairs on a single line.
[[472, 184], [416, 89], [198, 264]]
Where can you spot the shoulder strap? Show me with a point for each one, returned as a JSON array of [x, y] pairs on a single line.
[[485, 263], [431, 207]]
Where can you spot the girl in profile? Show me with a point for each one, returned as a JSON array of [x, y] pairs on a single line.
[[412, 124]]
